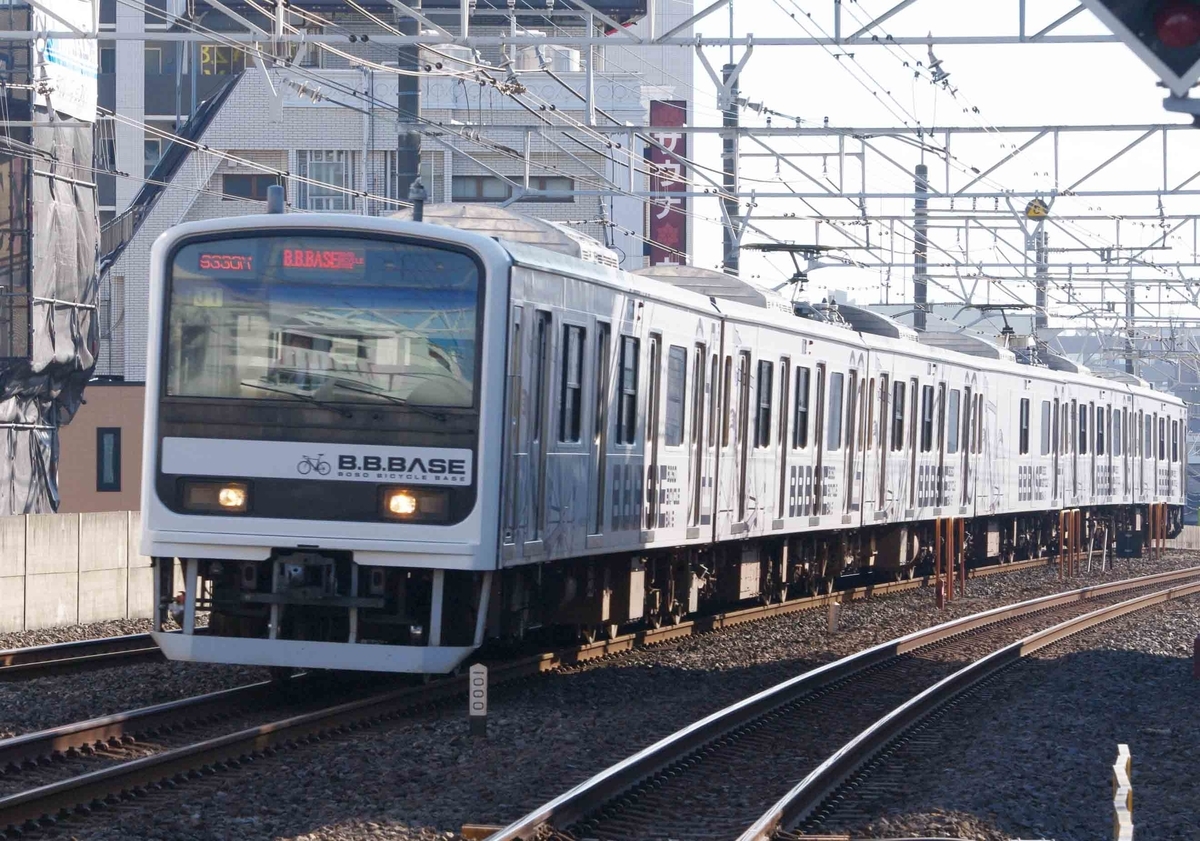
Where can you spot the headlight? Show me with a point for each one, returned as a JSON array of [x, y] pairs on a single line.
[[226, 497], [415, 505]]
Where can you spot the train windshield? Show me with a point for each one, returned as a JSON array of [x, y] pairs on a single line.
[[330, 318]]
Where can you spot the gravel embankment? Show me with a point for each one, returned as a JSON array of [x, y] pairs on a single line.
[[422, 778], [1035, 760]]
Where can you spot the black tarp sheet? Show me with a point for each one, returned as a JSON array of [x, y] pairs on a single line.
[[43, 390]]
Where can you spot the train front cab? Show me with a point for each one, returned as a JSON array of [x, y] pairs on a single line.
[[323, 399]]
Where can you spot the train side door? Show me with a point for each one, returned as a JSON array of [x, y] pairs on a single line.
[[700, 387], [743, 431], [941, 444], [512, 433], [965, 442], [602, 393], [881, 442], [818, 490], [1054, 447], [914, 422], [851, 404]]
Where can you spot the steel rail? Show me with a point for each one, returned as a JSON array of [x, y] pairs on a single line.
[[809, 794], [133, 775], [592, 794], [63, 657]]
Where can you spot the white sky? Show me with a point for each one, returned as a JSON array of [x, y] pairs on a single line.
[[1026, 85]]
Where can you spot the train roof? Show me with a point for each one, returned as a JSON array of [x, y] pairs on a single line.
[[512, 226], [733, 298]]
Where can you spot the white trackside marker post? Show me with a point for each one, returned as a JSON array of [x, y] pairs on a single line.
[[835, 609], [477, 699]]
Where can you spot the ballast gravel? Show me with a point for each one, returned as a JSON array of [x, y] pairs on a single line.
[[1031, 756], [74, 633], [422, 778]]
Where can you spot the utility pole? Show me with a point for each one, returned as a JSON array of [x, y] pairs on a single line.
[[408, 102], [1042, 262], [729, 167], [921, 249]]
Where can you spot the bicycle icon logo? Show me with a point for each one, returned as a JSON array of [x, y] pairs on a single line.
[[308, 464]]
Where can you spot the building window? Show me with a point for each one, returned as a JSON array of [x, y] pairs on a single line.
[[253, 187], [571, 399], [218, 60], [153, 153], [108, 60], [108, 458], [153, 58], [492, 188], [335, 172], [676, 387]]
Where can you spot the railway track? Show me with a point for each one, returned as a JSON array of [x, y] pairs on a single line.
[[764, 763], [65, 657], [82, 655], [80, 766]]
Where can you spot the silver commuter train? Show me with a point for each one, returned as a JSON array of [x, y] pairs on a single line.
[[374, 444]]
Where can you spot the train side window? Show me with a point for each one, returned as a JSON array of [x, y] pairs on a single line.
[[898, 417], [627, 395], [1118, 427], [926, 418], [1174, 440], [885, 394], [676, 389], [1023, 429], [698, 395], [833, 429], [1102, 420], [766, 392], [600, 430], [1162, 439], [800, 422], [1045, 427], [570, 399], [1147, 436], [1083, 429], [952, 422]]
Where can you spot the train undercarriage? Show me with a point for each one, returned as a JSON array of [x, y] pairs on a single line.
[[307, 599]]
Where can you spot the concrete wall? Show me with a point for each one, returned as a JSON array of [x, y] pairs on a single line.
[[119, 405], [64, 569]]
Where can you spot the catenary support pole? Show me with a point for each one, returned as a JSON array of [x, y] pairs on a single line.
[[1042, 258], [408, 103], [729, 168], [921, 248]]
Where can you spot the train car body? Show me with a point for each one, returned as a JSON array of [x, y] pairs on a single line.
[[374, 444]]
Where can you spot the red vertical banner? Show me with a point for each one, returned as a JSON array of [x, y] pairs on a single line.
[[667, 215]]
